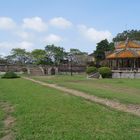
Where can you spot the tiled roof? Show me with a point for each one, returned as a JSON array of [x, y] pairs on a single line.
[[138, 52], [130, 44], [120, 46], [113, 55], [124, 54], [129, 49]]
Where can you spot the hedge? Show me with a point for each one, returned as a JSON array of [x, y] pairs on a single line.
[[90, 70], [105, 72], [10, 75]]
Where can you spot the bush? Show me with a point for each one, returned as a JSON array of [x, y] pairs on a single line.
[[105, 72], [90, 70], [10, 75]]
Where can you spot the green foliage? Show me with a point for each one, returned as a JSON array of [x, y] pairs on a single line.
[[76, 52], [131, 34], [39, 56], [10, 75], [90, 70], [77, 57], [19, 56], [55, 53], [2, 60], [105, 72], [38, 53], [101, 48]]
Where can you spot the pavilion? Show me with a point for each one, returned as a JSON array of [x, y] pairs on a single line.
[[125, 60]]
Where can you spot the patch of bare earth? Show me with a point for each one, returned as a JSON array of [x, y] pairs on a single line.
[[130, 108], [8, 121]]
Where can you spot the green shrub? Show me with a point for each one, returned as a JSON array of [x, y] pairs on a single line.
[[10, 75], [105, 72], [90, 70]]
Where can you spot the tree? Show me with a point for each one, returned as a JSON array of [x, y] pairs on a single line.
[[131, 34], [2, 60], [75, 56], [55, 53], [19, 55], [101, 48], [39, 56], [76, 52], [78, 57]]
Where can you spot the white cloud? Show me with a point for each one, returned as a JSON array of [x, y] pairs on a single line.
[[26, 45], [7, 23], [52, 38], [94, 35], [9, 45], [5, 45], [2, 54], [60, 22], [25, 35], [34, 23]]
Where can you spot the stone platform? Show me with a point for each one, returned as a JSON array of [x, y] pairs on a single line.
[[132, 74]]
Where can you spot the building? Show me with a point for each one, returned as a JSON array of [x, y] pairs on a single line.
[[91, 59], [125, 60]]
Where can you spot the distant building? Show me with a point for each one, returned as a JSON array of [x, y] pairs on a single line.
[[91, 57], [125, 60]]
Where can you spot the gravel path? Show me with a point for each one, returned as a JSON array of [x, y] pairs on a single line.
[[130, 108]]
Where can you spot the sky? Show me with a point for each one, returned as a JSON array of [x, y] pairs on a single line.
[[81, 24]]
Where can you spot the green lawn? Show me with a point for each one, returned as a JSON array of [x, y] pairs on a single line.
[[1, 122], [124, 90], [47, 114]]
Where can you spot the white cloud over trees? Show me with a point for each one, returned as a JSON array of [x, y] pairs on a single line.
[[52, 39], [34, 23], [60, 22], [23, 44], [7, 23], [33, 32], [93, 34]]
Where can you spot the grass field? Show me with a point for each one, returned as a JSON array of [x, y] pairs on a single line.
[[47, 114], [1, 123], [123, 90]]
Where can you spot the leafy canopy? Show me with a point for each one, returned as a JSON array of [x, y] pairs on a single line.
[[19, 55], [39, 56], [131, 34], [102, 47], [55, 53]]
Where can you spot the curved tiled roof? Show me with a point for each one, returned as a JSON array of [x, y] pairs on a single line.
[[120, 46], [127, 54], [124, 54], [129, 49], [130, 44], [113, 55]]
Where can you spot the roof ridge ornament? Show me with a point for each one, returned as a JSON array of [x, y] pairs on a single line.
[[126, 43]]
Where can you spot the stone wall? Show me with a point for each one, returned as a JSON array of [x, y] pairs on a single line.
[[42, 70], [126, 74], [30, 69], [74, 68]]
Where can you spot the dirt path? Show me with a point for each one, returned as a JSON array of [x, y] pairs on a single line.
[[130, 108], [8, 121]]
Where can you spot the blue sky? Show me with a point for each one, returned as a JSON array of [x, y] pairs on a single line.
[[32, 24]]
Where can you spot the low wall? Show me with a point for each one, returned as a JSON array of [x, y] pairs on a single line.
[[42, 70], [126, 74]]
